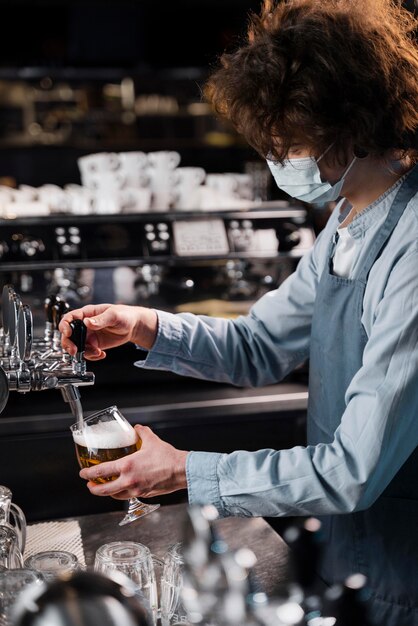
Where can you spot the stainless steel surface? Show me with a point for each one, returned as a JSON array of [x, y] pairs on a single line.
[[71, 394], [46, 368], [163, 528]]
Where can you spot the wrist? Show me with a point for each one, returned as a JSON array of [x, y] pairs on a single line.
[[145, 330], [180, 469]]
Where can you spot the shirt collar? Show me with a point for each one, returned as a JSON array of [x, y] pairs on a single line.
[[375, 211]]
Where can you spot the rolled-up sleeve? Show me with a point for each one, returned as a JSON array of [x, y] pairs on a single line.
[[377, 434]]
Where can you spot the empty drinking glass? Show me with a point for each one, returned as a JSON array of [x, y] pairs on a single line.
[[135, 561], [50, 563], [172, 609], [10, 554], [12, 583]]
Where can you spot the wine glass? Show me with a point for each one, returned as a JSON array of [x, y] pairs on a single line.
[[106, 436]]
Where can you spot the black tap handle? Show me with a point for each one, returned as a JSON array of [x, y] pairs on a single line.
[[79, 333], [59, 308], [48, 306], [64, 308], [56, 313]]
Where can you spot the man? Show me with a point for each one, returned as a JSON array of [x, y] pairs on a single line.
[[327, 92]]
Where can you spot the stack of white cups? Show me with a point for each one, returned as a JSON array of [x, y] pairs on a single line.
[[117, 180], [162, 178], [131, 182]]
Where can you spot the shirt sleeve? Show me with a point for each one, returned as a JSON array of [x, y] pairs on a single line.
[[377, 434], [254, 350]]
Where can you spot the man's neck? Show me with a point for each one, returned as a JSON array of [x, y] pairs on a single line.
[[368, 181]]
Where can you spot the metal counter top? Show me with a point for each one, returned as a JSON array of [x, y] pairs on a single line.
[[163, 528]]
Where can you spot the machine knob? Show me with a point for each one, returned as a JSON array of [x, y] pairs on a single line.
[[31, 247], [79, 334]]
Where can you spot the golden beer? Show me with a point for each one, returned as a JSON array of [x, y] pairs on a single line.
[[102, 444], [107, 436]]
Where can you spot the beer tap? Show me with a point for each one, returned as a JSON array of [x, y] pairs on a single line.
[[70, 392], [49, 347], [59, 308], [23, 370], [49, 323]]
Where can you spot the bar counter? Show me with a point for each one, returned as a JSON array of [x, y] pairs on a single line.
[[161, 529]]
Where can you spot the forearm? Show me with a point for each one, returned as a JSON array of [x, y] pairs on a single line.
[[243, 352]]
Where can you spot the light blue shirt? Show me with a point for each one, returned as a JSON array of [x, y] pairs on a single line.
[[379, 428]]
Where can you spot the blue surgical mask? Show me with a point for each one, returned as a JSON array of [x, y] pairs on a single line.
[[301, 179]]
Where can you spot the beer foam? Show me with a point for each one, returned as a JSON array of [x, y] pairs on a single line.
[[107, 435]]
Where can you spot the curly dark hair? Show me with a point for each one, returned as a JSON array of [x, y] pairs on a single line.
[[322, 72]]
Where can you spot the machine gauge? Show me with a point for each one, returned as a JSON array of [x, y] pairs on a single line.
[[200, 237]]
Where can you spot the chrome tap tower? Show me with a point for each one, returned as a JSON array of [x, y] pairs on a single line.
[[28, 364]]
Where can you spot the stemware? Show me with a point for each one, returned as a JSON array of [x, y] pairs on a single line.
[[106, 436]]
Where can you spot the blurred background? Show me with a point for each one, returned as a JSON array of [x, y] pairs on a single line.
[[115, 75]]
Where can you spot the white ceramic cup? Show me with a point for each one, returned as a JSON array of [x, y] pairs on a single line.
[[225, 184], [245, 185], [136, 199], [162, 199], [189, 179], [107, 203], [80, 200], [91, 164], [163, 160], [98, 162], [107, 182], [54, 197], [134, 167]]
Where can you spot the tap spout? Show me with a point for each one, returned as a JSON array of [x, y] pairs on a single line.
[[71, 394]]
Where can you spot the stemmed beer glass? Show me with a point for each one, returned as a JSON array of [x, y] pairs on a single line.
[[107, 436]]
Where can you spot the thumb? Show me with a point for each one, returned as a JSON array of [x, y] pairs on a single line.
[[144, 433]]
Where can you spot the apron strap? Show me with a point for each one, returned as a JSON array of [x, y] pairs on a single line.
[[406, 191]]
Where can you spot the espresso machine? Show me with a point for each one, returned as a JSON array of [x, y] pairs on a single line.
[[215, 263]]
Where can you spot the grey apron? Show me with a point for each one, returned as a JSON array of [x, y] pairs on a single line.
[[382, 541]]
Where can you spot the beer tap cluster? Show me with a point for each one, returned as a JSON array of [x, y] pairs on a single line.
[[35, 364]]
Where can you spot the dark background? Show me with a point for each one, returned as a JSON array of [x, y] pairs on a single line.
[[119, 32]]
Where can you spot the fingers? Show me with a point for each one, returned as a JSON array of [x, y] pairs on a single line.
[[92, 349], [144, 433], [101, 471], [88, 311], [94, 355], [107, 479]]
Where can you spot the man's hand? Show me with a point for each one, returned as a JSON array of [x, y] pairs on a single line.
[[157, 468], [108, 326]]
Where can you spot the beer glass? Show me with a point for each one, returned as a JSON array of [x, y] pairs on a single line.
[[51, 563], [172, 609], [107, 436], [12, 584], [135, 561]]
